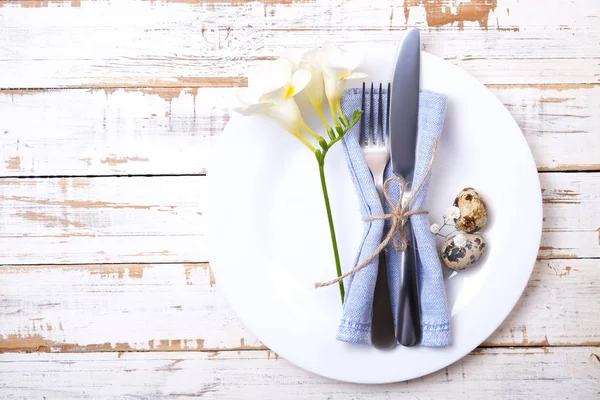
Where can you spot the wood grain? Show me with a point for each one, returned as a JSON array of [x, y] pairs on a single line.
[[145, 43], [137, 131], [159, 219], [110, 131], [102, 220], [521, 373], [175, 307]]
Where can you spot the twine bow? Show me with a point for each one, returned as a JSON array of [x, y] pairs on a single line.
[[400, 212]]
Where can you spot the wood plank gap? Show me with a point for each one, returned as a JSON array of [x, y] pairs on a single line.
[[566, 169], [162, 347], [100, 176], [112, 264]]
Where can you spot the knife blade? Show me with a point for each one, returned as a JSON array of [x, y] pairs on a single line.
[[403, 120]]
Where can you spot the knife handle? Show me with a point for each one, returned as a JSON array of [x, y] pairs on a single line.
[[382, 325], [408, 330]]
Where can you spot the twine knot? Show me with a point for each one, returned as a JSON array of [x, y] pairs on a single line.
[[399, 215]]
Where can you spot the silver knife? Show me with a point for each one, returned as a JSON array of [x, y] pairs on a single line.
[[403, 117]]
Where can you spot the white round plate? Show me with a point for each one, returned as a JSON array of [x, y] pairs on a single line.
[[269, 238]]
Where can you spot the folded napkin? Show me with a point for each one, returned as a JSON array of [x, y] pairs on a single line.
[[355, 326]]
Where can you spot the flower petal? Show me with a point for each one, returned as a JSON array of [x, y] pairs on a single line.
[[287, 114], [453, 212], [353, 59], [270, 80], [247, 96], [332, 51], [300, 79], [310, 58], [332, 61], [334, 88], [357, 75], [254, 109], [460, 240]]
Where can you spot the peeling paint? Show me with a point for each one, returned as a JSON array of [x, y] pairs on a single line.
[[114, 160], [50, 221], [63, 184], [149, 253], [229, 2], [177, 84], [13, 163], [524, 341], [547, 86], [556, 100], [77, 203], [166, 93], [132, 271], [440, 12], [36, 343], [566, 272], [188, 268], [40, 3]]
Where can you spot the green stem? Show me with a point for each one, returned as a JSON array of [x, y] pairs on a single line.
[[338, 267]]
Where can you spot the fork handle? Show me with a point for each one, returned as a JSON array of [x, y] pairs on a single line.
[[408, 330]]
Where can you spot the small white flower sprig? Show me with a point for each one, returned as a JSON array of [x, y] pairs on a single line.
[[272, 90], [451, 214]]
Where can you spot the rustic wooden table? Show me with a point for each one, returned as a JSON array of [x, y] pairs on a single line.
[[108, 112]]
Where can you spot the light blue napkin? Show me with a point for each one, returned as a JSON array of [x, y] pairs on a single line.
[[355, 326]]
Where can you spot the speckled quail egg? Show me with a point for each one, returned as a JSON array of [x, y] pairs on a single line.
[[462, 250], [473, 212]]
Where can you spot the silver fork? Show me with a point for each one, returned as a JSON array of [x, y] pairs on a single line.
[[377, 154]]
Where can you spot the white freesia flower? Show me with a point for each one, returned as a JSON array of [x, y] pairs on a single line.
[[271, 92], [285, 112], [460, 240], [453, 212], [434, 228], [338, 66]]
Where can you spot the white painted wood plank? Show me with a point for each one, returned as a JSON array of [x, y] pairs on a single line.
[[108, 131], [564, 231], [183, 43], [558, 373], [560, 125], [559, 307], [173, 307], [116, 308], [102, 220], [159, 219], [172, 130]]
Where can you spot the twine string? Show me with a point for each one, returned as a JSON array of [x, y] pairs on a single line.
[[399, 215]]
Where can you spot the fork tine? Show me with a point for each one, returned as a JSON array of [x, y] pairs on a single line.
[[380, 117], [362, 138], [387, 123], [371, 119]]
